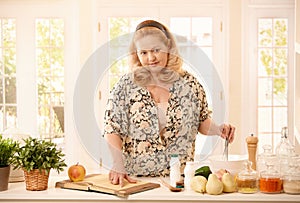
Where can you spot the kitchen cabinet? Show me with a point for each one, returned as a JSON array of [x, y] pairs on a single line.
[[18, 193]]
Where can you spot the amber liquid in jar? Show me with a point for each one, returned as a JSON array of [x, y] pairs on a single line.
[[247, 185], [270, 185]]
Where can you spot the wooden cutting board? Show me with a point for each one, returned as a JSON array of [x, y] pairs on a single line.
[[101, 183]]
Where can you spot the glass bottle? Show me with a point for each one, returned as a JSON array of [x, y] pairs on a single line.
[[270, 181], [291, 180], [175, 174], [283, 151], [247, 179]]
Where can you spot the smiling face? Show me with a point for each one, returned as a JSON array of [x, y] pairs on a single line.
[[151, 51]]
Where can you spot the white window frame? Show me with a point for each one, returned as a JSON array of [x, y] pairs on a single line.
[[252, 11]]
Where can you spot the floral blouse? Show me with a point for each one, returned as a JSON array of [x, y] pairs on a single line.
[[132, 114]]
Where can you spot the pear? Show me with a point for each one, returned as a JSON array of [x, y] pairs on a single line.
[[214, 186], [228, 183]]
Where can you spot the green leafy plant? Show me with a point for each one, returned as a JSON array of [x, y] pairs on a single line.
[[39, 154], [8, 148]]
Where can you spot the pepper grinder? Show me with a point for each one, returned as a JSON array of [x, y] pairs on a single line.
[[252, 147]]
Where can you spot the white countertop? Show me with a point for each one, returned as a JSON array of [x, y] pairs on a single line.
[[17, 193]]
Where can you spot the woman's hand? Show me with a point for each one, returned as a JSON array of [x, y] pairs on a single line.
[[227, 132], [118, 178]]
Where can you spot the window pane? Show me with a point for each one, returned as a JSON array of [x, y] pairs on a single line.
[[280, 32], [280, 92], [264, 120], [280, 118], [265, 62], [1, 91], [50, 69], [56, 32], [57, 60], [181, 26], [280, 62], [202, 31], [10, 90], [9, 59], [264, 92], [9, 33], [11, 116], [43, 61], [265, 32], [42, 33]]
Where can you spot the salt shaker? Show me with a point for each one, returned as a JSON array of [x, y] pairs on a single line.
[[189, 173]]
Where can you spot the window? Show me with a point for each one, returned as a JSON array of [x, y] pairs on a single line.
[[50, 77], [272, 51], [8, 95], [32, 67], [269, 70]]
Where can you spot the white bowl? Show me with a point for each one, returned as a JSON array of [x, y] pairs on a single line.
[[234, 164]]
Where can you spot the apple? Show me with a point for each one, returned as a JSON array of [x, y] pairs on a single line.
[[76, 172]]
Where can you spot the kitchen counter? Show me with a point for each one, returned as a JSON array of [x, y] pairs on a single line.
[[17, 193]]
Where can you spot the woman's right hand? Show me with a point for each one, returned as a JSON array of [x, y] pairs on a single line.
[[118, 178]]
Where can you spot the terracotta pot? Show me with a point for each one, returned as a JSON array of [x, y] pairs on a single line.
[[4, 176]]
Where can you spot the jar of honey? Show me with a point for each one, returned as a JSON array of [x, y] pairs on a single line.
[[270, 180], [247, 179]]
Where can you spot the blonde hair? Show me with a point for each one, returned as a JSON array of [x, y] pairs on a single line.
[[173, 69]]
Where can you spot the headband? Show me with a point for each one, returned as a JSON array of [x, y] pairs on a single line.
[[153, 24]]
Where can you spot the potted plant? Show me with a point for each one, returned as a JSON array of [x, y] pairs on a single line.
[[37, 157], [8, 148]]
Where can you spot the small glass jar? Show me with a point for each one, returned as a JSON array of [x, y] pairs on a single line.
[[291, 180], [270, 181], [247, 179]]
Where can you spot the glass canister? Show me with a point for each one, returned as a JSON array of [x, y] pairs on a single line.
[[264, 157], [284, 150], [247, 179], [291, 180], [270, 180]]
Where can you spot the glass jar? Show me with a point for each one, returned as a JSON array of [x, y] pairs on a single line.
[[247, 179], [264, 157], [284, 150], [291, 180], [270, 181]]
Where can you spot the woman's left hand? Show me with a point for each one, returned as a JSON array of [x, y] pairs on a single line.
[[227, 132]]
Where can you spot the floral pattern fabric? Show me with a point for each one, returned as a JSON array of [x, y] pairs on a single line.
[[132, 114]]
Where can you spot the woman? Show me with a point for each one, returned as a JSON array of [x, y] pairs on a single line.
[[156, 110]]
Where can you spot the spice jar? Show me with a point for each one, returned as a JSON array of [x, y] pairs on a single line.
[[270, 181], [291, 180], [247, 179]]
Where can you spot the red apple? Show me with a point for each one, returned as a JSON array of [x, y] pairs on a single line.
[[76, 172]]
